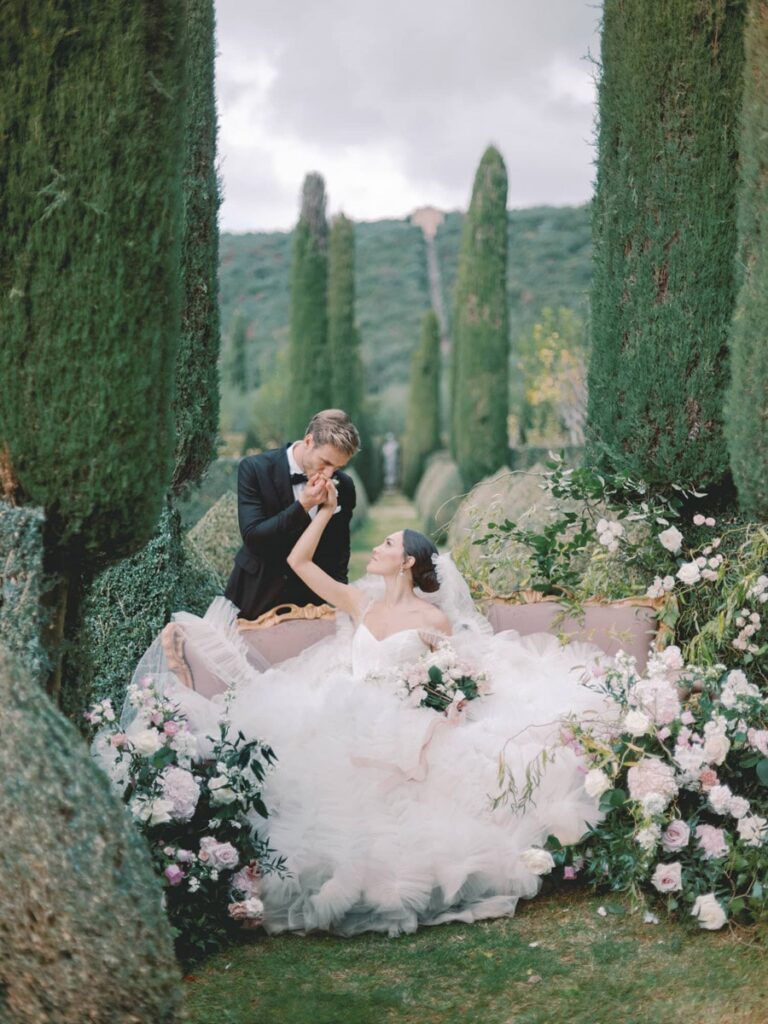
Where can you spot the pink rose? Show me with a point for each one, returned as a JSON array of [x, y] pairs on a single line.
[[119, 740], [569, 874], [185, 856], [687, 718], [219, 855], [758, 738], [170, 728], [668, 877], [711, 841], [675, 836], [708, 778], [174, 874], [156, 718]]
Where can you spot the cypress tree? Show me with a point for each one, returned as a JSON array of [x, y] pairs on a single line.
[[747, 406], [664, 226], [481, 328], [422, 424], [310, 369], [238, 354], [91, 116], [343, 348], [196, 406]]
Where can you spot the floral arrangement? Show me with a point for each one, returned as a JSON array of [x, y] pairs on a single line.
[[442, 681], [683, 790], [611, 537], [194, 813]]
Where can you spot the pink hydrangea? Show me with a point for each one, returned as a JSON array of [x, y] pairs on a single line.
[[182, 791], [650, 776], [712, 841], [758, 738], [658, 698]]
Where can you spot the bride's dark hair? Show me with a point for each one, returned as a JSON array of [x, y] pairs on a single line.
[[421, 550]]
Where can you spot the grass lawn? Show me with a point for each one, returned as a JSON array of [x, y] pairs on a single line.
[[556, 961]]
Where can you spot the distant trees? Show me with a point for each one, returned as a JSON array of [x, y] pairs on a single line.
[[747, 407], [422, 425], [665, 237], [309, 360], [479, 382], [196, 405]]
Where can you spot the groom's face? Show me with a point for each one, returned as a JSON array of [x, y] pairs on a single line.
[[323, 458]]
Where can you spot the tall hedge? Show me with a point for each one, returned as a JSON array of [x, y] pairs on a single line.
[[196, 406], [91, 117], [238, 355], [479, 391], [665, 237], [310, 369], [422, 424], [747, 407]]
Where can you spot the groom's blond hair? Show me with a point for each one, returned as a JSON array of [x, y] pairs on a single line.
[[334, 427]]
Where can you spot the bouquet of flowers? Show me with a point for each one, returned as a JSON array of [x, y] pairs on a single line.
[[442, 681], [683, 790], [194, 814]]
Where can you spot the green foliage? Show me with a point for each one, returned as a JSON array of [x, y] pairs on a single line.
[[665, 238], [220, 478], [196, 405], [479, 380], [91, 208], [438, 495], [309, 358], [747, 406], [422, 431], [343, 340], [22, 586], [126, 607]]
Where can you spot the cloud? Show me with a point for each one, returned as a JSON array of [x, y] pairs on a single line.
[[394, 104]]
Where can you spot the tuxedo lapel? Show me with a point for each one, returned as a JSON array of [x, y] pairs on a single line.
[[281, 477]]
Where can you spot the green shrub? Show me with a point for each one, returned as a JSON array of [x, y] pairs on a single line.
[[438, 495], [22, 585], [126, 607]]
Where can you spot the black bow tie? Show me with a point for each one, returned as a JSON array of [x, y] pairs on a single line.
[[298, 478]]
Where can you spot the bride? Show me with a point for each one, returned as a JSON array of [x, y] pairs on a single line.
[[383, 810]]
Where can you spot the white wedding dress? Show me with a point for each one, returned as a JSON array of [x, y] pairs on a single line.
[[384, 812]]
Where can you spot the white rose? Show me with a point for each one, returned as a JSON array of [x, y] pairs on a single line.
[[636, 723], [672, 658], [147, 742], [689, 573], [596, 782], [538, 862], [668, 877], [668, 582], [716, 747], [709, 912], [221, 792], [253, 907], [671, 539]]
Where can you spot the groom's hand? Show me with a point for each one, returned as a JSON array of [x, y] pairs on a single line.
[[314, 493]]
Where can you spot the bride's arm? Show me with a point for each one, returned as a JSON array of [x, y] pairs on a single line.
[[349, 599]]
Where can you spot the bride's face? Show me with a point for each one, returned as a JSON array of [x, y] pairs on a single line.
[[387, 559]]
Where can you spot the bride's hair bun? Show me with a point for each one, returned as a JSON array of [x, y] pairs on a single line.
[[422, 551]]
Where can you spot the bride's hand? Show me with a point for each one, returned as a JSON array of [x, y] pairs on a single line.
[[331, 497]]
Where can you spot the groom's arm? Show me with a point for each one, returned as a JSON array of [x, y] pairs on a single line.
[[258, 528]]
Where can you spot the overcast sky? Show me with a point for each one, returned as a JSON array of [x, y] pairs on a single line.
[[394, 101]]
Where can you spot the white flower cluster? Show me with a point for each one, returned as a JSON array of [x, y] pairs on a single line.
[[749, 624], [759, 589], [660, 586], [608, 533]]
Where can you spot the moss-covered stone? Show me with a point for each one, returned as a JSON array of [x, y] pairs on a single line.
[[82, 928]]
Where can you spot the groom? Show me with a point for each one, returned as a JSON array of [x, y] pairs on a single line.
[[278, 494]]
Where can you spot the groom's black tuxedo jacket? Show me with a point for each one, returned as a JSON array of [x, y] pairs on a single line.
[[271, 521]]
